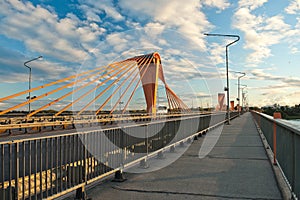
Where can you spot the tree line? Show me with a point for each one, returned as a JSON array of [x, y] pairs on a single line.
[[287, 112]]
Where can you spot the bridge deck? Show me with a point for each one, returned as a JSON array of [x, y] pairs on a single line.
[[236, 168]]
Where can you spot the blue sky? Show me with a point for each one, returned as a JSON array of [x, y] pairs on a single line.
[[76, 35]]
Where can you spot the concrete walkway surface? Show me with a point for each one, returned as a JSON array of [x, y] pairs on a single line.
[[236, 168]]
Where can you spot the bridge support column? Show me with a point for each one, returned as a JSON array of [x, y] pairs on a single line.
[[150, 76]]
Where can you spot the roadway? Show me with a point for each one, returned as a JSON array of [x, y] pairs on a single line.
[[236, 168]]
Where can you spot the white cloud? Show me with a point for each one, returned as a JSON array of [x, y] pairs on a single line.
[[260, 74], [154, 29], [252, 4], [217, 53], [92, 9], [293, 8], [294, 50], [91, 14], [261, 32], [41, 30], [271, 94], [117, 41], [183, 16], [220, 4]]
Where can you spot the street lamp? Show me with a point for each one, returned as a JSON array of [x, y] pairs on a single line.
[[227, 88], [243, 74], [29, 81]]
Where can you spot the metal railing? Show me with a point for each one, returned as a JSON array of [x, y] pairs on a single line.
[[47, 123], [287, 147], [51, 166]]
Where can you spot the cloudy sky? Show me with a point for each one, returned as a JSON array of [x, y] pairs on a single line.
[[81, 34]]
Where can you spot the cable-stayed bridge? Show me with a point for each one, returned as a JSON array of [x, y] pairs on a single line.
[[96, 134]]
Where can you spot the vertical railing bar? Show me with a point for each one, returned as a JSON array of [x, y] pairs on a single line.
[[68, 160], [81, 160], [119, 142], [60, 164], [2, 170], [56, 165], [103, 153], [96, 165], [91, 156], [85, 160], [29, 169], [95, 150], [35, 168], [100, 155], [65, 158], [117, 149], [41, 168], [51, 165], [71, 158], [10, 172], [46, 166], [147, 140], [17, 170], [24, 169], [71, 161], [294, 163], [105, 158], [94, 156], [114, 157], [75, 160], [88, 156], [108, 158]]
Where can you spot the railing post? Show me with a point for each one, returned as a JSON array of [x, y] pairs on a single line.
[[276, 115], [17, 170], [80, 193], [274, 143], [294, 163]]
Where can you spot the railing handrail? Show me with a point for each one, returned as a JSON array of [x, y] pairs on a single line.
[[279, 123]]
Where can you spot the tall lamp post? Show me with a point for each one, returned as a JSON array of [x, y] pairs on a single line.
[[29, 81], [227, 87]]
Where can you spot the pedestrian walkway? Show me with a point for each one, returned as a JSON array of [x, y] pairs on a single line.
[[236, 168]]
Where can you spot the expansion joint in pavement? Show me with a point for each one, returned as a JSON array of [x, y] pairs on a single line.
[[187, 193], [236, 158]]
